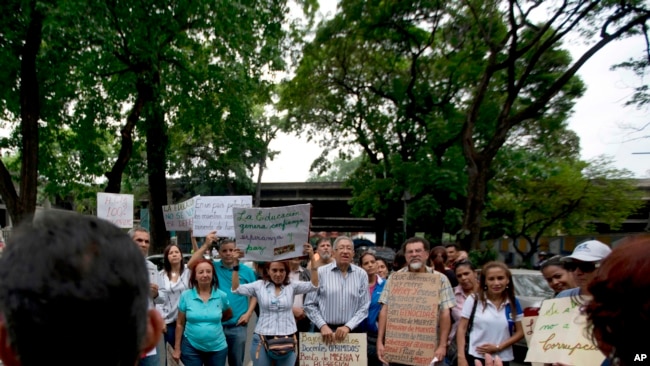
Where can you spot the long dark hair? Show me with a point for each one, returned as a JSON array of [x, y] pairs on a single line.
[[193, 281], [508, 293], [167, 266], [436, 252]]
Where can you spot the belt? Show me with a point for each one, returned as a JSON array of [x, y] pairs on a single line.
[[232, 325]]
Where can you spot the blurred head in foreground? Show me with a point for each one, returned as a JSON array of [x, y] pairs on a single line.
[[74, 290]]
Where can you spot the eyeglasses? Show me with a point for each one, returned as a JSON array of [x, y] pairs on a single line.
[[583, 266]]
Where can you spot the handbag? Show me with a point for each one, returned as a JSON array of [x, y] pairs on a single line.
[[279, 347]]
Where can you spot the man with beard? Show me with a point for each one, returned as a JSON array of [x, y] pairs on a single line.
[[416, 252], [323, 252], [341, 302]]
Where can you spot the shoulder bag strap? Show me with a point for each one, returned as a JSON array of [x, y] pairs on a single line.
[[470, 323]]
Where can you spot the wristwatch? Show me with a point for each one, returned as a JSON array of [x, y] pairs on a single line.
[[235, 268]]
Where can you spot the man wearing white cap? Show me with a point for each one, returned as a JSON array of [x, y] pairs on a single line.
[[582, 263]]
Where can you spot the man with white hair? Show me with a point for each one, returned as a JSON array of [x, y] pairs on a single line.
[[582, 264], [341, 302]]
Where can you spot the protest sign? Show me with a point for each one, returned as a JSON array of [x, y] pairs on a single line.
[[269, 234], [528, 323], [352, 351], [559, 335], [179, 216], [116, 208], [412, 323], [215, 213], [170, 358]]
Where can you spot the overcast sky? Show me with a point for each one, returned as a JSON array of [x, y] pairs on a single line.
[[600, 118]]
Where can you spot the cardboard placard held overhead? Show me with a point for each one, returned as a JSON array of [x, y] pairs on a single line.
[[216, 213], [116, 208], [269, 234], [179, 216]]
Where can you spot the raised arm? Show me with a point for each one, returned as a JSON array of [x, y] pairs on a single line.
[[195, 247], [198, 253], [309, 250]]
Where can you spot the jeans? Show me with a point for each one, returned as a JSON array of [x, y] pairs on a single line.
[[260, 358], [236, 339], [153, 360], [191, 356], [170, 335]]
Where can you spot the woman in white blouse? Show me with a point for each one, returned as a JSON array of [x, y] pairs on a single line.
[[496, 323], [175, 277], [275, 295]]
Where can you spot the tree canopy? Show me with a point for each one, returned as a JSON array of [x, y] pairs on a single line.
[[431, 91]]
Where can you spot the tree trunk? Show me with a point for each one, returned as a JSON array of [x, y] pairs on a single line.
[[476, 194], [258, 185], [29, 114], [156, 166], [145, 95]]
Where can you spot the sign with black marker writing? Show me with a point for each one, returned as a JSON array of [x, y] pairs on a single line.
[[116, 208], [179, 216], [352, 351], [216, 213]]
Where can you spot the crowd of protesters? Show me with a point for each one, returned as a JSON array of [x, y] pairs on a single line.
[[202, 308]]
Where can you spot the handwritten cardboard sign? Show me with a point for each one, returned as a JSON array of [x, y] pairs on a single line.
[[216, 213], [559, 335], [412, 323], [116, 208], [170, 358], [352, 351], [179, 216], [528, 323], [265, 234]]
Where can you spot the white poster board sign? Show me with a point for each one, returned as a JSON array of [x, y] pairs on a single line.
[[116, 208], [271, 234], [351, 351], [559, 335], [215, 213], [179, 216]]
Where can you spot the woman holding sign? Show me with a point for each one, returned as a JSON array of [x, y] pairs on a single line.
[[274, 341], [493, 317]]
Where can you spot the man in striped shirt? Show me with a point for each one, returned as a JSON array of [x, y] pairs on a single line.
[[341, 302]]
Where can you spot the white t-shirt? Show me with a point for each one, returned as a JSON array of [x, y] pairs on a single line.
[[490, 326]]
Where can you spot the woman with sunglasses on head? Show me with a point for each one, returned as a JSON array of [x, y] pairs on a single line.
[[275, 296], [556, 274], [582, 264], [467, 285], [495, 317], [437, 260], [176, 279]]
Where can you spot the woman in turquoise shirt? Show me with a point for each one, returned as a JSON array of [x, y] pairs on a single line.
[[199, 334]]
